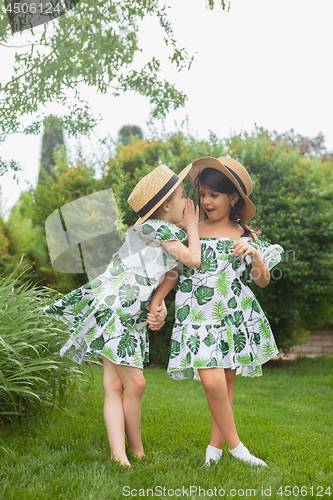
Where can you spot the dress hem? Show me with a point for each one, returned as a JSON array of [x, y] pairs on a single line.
[[255, 370]]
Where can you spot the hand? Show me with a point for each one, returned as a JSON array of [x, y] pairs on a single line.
[[243, 249], [190, 215], [153, 323], [156, 316]]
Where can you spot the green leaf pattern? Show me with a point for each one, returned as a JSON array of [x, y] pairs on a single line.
[[219, 322], [108, 315]]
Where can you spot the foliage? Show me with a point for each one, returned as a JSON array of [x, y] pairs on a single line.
[[292, 193], [27, 219], [293, 197], [7, 245], [128, 131], [286, 410], [33, 376], [224, 4], [313, 148], [95, 44], [28, 239], [52, 140]]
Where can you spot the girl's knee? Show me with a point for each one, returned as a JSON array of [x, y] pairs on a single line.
[[111, 381], [214, 384], [112, 385], [138, 385], [216, 391], [135, 386]]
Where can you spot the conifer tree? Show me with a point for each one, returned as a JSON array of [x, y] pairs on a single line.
[[53, 139]]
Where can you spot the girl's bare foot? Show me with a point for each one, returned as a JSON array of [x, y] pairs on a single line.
[[121, 460], [139, 453]]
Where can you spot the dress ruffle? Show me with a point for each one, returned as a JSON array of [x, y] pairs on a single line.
[[108, 315], [219, 322]]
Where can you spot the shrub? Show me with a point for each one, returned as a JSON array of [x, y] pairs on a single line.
[[292, 193], [33, 377], [293, 197]]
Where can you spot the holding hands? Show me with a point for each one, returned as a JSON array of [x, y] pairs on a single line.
[[156, 316]]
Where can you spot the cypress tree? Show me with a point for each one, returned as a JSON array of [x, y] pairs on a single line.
[[53, 139]]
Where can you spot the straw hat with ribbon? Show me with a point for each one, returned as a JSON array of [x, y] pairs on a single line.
[[153, 189], [235, 172]]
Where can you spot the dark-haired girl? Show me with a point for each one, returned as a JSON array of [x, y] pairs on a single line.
[[220, 328]]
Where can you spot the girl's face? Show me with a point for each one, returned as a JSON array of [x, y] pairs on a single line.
[[216, 205], [177, 205]]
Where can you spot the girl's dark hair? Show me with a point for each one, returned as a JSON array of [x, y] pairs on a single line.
[[214, 179]]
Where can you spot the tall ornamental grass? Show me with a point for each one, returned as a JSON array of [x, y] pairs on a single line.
[[33, 377]]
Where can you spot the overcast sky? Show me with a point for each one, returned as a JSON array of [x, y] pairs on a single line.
[[263, 62]]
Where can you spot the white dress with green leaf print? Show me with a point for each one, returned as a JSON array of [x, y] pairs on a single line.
[[218, 321], [108, 315]]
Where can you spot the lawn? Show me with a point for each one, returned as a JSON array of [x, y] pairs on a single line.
[[284, 417]]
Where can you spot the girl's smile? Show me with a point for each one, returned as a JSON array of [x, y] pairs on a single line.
[[216, 205]]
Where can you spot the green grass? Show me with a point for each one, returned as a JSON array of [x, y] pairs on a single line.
[[284, 417]]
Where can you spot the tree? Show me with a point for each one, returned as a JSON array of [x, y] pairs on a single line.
[[52, 140], [128, 131], [26, 222], [94, 44], [293, 197], [309, 147]]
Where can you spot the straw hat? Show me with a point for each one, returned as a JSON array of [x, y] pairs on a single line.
[[235, 172], [153, 189]]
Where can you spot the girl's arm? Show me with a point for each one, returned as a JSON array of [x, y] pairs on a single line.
[[190, 255], [170, 279], [260, 272]]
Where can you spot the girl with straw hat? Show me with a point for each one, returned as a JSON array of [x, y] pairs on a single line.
[[220, 327], [108, 316]]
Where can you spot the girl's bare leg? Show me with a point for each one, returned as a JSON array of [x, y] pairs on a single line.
[[122, 412], [114, 416], [214, 381], [215, 386], [216, 436], [134, 385]]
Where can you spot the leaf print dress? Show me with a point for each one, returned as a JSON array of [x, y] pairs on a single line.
[[108, 315], [218, 321]]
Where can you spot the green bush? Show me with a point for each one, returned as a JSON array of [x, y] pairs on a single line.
[[7, 246], [33, 377], [293, 195], [294, 201]]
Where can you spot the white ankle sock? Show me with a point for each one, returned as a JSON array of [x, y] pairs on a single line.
[[243, 453], [213, 454]]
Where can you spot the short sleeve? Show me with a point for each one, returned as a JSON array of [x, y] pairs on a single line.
[[142, 252], [270, 253], [161, 231]]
